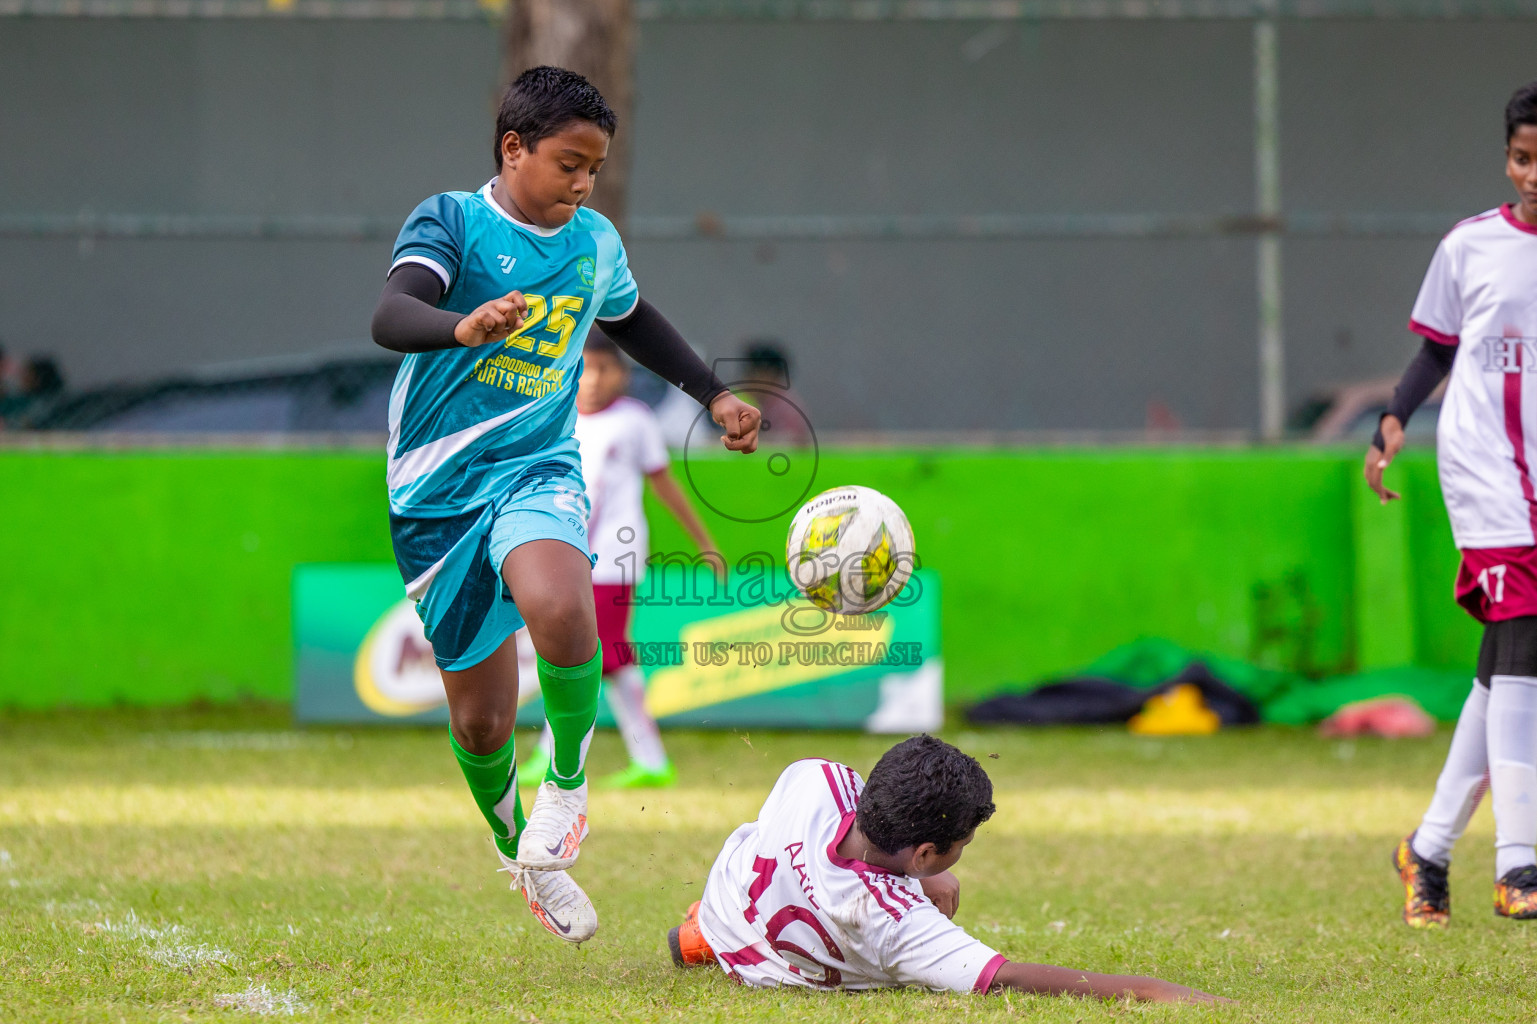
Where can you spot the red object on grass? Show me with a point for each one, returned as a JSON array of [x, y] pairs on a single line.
[[1393, 717]]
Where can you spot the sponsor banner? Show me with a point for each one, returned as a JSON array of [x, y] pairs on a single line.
[[715, 655]]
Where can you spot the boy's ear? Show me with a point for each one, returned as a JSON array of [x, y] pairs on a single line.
[[512, 147]]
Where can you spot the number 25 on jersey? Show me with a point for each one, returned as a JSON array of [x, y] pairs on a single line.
[[547, 316]]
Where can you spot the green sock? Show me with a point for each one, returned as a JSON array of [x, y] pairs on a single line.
[[571, 708], [493, 780]]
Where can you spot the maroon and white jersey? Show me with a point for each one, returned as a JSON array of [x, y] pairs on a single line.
[[782, 908], [1480, 294], [621, 445]]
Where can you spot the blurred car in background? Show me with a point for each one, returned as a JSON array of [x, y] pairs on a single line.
[[1349, 413], [317, 394], [337, 394]]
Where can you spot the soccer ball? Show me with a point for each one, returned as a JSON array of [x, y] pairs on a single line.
[[850, 550]]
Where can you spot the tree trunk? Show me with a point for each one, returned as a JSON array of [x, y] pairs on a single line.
[[595, 38]]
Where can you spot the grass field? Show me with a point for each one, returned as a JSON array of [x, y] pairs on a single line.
[[215, 865]]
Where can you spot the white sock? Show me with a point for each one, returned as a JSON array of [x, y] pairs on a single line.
[[1464, 778], [1513, 770], [626, 691]]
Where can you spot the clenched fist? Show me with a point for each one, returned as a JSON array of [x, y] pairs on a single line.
[[492, 321]]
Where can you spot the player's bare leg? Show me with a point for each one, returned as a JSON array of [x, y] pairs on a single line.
[[551, 582]]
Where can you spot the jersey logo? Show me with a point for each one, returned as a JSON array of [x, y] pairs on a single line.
[[1510, 355], [587, 270], [507, 262]]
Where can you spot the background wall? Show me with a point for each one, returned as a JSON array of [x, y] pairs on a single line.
[[333, 129], [161, 577]]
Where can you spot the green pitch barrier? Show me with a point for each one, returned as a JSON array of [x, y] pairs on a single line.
[[159, 578], [735, 654]]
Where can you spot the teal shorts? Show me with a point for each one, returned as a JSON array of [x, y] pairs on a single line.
[[452, 566]]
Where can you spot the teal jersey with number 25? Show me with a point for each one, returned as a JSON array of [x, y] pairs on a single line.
[[465, 422]]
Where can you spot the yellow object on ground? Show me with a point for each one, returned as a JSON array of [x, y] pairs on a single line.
[[1180, 712]]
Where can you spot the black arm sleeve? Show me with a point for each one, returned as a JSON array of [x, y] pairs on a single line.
[[1427, 369], [647, 337], [407, 318]]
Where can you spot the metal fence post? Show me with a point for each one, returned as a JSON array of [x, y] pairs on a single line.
[[1267, 188]]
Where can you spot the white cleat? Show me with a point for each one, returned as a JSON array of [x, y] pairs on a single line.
[[552, 838], [555, 899]]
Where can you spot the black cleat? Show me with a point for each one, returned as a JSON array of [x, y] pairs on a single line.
[[1427, 897], [1515, 895]]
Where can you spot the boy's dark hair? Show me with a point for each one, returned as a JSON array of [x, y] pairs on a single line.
[[604, 345], [543, 100], [1522, 109], [923, 790]]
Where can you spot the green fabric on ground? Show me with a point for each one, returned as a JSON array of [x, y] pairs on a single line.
[[571, 708], [1440, 693], [1152, 660], [1282, 697], [492, 777]]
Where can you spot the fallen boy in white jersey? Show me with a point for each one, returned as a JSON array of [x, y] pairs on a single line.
[[840, 884]]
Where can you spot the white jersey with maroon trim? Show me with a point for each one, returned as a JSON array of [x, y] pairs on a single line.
[[782, 908], [621, 444], [1480, 294]]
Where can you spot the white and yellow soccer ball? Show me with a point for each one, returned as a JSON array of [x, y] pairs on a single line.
[[850, 550]]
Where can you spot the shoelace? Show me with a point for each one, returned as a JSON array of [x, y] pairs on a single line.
[[554, 791], [555, 796], [559, 898]]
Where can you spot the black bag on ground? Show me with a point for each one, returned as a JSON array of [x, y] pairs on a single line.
[[1094, 701]]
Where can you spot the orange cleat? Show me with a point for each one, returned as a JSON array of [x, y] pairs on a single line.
[[1515, 895], [1427, 899], [689, 949]]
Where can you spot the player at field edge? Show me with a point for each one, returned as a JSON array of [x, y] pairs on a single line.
[[491, 294], [1476, 313], [843, 884], [622, 447]]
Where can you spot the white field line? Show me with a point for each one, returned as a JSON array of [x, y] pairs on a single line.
[[262, 1000], [130, 927], [161, 943], [184, 956]]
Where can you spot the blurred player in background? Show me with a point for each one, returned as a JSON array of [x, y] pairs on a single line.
[[1477, 311], [843, 884], [622, 447], [486, 292]]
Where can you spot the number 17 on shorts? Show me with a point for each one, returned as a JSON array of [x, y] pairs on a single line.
[[1495, 584]]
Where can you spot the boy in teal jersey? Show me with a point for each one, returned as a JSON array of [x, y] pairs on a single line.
[[490, 295]]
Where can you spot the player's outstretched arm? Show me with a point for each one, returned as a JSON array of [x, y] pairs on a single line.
[[646, 337], [408, 319], [1426, 370], [1043, 979]]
